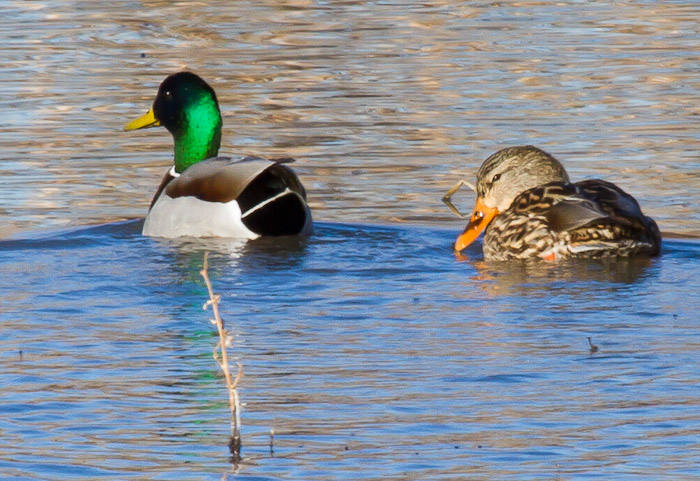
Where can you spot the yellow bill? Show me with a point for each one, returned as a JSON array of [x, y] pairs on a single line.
[[143, 122]]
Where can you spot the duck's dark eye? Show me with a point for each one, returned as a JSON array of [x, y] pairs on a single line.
[[496, 177]]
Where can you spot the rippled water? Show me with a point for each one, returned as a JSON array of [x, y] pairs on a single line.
[[384, 104], [370, 350], [368, 365]]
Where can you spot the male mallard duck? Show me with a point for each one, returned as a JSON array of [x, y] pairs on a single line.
[[203, 195], [529, 208]]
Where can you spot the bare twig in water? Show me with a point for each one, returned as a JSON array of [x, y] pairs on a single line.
[[593, 347], [221, 357], [447, 199]]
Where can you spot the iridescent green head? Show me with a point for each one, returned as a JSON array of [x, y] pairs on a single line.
[[186, 105]]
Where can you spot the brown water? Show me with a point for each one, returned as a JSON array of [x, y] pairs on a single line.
[[371, 350], [384, 104]]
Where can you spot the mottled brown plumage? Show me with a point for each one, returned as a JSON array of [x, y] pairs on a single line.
[[530, 209]]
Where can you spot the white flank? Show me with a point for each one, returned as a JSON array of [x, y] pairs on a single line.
[[191, 217]]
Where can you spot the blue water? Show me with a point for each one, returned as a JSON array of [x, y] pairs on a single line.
[[371, 351]]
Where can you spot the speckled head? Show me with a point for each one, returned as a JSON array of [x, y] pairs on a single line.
[[501, 178], [511, 171]]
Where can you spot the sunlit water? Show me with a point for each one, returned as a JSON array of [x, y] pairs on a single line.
[[369, 348], [368, 362]]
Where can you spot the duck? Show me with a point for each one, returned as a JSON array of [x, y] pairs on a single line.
[[205, 195], [529, 209]]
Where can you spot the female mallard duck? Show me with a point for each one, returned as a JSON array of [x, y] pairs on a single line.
[[529, 209], [203, 195]]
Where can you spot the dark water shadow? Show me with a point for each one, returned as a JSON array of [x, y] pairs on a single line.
[[357, 250], [75, 237]]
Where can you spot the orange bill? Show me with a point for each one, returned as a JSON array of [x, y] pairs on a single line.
[[481, 216]]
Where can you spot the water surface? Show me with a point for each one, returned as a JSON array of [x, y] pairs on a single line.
[[368, 362], [385, 104], [369, 348]]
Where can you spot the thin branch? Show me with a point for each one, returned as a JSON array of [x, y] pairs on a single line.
[[447, 198], [221, 357]]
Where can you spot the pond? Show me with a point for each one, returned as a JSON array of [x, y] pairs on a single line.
[[370, 349]]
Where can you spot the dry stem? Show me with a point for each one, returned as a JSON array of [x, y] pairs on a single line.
[[447, 199], [221, 357]]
